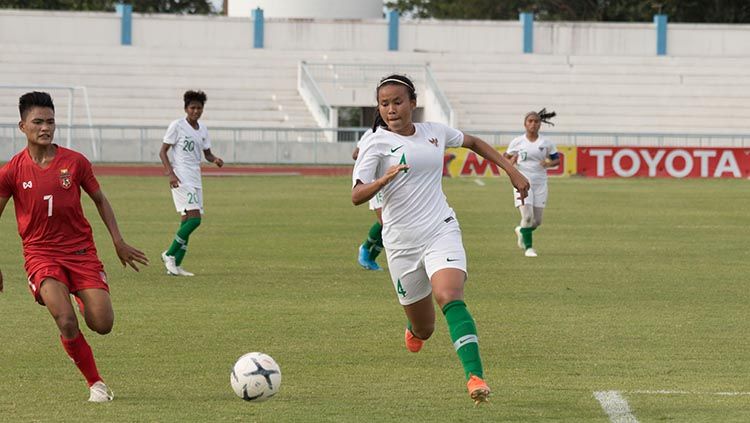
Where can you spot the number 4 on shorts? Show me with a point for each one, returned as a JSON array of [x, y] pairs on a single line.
[[400, 289]]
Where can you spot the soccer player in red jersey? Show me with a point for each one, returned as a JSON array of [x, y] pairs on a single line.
[[45, 181]]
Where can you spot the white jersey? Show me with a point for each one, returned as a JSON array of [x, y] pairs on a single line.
[[414, 205], [531, 155], [187, 147]]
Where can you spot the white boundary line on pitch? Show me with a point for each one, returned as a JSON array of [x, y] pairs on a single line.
[[618, 409], [615, 406], [667, 392]]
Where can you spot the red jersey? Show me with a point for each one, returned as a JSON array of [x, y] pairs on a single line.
[[48, 201]]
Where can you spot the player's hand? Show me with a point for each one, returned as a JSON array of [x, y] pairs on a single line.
[[520, 183], [130, 256], [218, 162], [174, 181], [392, 172]]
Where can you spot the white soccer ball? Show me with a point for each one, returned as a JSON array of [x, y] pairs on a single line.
[[255, 377]]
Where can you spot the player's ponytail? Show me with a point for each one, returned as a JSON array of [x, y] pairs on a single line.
[[379, 122], [543, 115]]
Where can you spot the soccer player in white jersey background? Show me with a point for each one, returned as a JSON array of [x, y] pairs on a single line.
[[370, 249], [532, 154], [422, 238], [181, 156]]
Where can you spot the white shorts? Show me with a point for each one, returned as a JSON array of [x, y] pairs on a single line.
[[412, 268], [376, 202], [537, 196], [186, 198]]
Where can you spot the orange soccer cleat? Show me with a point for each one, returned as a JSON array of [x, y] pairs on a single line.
[[478, 389], [413, 343]]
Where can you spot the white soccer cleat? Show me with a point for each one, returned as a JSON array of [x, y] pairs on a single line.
[[520, 238], [170, 264], [530, 252], [100, 393], [183, 272]]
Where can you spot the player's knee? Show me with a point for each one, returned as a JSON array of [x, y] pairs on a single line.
[[68, 325], [102, 326], [102, 330]]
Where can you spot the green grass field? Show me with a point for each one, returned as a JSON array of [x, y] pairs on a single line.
[[641, 286]]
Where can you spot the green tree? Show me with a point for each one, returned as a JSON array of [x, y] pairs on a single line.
[[141, 6], [707, 11]]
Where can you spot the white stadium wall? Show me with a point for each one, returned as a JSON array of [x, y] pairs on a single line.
[[371, 34], [327, 9]]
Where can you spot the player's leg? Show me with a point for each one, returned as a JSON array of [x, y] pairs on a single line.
[[373, 244], [188, 202], [445, 262], [56, 297], [374, 235], [377, 247], [538, 213], [448, 288], [98, 311], [527, 224], [420, 323], [190, 223], [414, 291]]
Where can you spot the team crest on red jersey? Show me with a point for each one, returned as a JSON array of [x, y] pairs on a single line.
[[65, 178], [434, 141]]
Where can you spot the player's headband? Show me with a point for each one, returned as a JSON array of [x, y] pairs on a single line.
[[395, 80]]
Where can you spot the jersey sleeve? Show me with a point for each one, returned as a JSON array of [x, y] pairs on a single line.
[[172, 134], [366, 166], [512, 149], [6, 183], [453, 137], [362, 141], [88, 180]]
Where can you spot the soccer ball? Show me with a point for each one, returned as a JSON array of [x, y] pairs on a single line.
[[255, 377]]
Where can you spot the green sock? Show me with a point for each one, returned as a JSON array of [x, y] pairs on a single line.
[[180, 254], [374, 236], [464, 336], [375, 250], [183, 234], [526, 234]]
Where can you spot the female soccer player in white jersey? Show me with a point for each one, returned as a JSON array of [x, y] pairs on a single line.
[[186, 138], [370, 249], [426, 258], [532, 154]]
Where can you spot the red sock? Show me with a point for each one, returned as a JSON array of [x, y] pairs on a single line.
[[80, 352]]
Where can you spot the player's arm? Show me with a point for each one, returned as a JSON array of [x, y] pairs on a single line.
[[174, 181], [355, 153], [551, 161], [488, 152], [127, 254], [213, 159], [363, 192], [3, 202]]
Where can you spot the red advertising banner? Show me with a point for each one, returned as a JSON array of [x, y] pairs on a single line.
[[663, 162]]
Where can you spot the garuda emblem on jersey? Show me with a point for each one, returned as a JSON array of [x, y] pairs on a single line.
[[65, 178], [434, 141]]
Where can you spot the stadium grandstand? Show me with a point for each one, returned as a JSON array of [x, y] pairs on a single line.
[[297, 83]]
